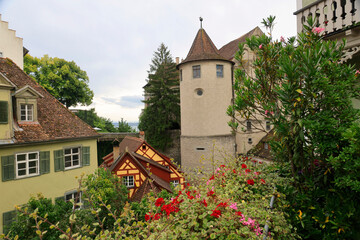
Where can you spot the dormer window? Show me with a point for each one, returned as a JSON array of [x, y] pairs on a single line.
[[26, 104], [26, 112]]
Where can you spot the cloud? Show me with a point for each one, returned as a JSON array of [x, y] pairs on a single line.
[[125, 101]]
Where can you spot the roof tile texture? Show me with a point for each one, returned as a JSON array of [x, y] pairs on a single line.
[[55, 121]]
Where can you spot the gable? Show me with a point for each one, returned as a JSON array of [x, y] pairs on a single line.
[[5, 82], [27, 92]]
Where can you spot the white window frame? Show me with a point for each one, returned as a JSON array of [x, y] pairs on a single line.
[[77, 200], [72, 160], [127, 181], [196, 71], [27, 162], [29, 112], [266, 146], [175, 182], [219, 71]]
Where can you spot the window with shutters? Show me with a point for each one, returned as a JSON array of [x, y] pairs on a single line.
[[71, 157], [23, 165], [27, 164], [3, 112]]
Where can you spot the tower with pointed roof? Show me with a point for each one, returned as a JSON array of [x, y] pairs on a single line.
[[206, 80], [205, 94]]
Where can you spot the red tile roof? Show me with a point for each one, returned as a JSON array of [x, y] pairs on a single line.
[[229, 49], [203, 49], [55, 121]]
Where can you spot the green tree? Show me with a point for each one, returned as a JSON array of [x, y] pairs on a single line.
[[63, 79], [94, 120], [124, 126], [303, 89], [163, 110]]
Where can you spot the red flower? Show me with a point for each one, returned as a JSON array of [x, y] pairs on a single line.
[[216, 213], [147, 216], [250, 182], [222, 205], [238, 213], [212, 177], [234, 171], [262, 181], [210, 193], [189, 196], [159, 202], [204, 202], [156, 216], [257, 173], [243, 166], [222, 166], [247, 170]]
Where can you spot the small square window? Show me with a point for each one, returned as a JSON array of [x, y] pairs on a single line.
[[175, 183], [196, 71], [219, 71], [128, 181], [26, 112]]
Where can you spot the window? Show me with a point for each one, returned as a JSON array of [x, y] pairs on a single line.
[[8, 219], [27, 164], [181, 75], [23, 165], [26, 112], [200, 149], [76, 196], [175, 183], [3, 112], [219, 71], [248, 125], [199, 92], [196, 71], [250, 140], [266, 146], [128, 181], [268, 126], [72, 157]]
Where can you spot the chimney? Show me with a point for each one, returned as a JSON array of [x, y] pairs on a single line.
[[177, 60], [142, 135], [116, 149]]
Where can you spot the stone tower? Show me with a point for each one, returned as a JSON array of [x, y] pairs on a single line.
[[205, 93]]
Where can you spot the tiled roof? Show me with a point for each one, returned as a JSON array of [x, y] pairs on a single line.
[[203, 49], [259, 150], [229, 49], [55, 121], [132, 143]]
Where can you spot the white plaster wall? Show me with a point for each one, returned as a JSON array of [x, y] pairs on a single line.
[[205, 115], [10, 45]]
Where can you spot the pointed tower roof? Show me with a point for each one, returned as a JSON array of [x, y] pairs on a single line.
[[203, 49]]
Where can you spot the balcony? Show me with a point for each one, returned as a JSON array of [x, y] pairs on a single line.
[[332, 15]]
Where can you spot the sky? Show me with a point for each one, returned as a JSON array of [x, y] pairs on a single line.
[[114, 40]]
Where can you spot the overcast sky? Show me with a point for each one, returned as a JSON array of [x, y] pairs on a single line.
[[114, 40]]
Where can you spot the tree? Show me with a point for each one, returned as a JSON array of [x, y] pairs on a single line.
[[91, 118], [303, 89], [63, 79], [124, 126], [163, 110]]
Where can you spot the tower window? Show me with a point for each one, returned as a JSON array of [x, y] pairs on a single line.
[[250, 140], [181, 75], [196, 71], [220, 71], [248, 125], [268, 126]]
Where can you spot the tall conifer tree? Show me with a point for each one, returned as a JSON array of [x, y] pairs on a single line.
[[163, 110]]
